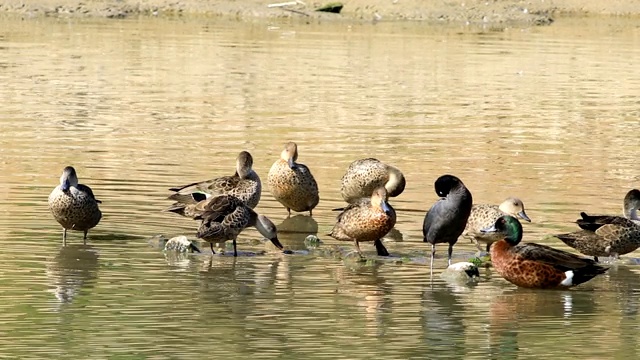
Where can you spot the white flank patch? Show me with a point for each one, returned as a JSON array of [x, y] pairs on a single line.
[[461, 266], [569, 280]]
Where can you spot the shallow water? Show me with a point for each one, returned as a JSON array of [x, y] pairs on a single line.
[[549, 114]]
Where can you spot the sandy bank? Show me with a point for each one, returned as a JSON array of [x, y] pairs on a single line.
[[536, 12]]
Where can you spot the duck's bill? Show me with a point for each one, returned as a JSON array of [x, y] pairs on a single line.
[[386, 208], [524, 216], [277, 243], [292, 165], [490, 229], [66, 185]]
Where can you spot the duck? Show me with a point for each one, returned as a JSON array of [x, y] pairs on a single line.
[[226, 216], [365, 175], [73, 205], [447, 218], [536, 266], [245, 184], [484, 215], [292, 183], [603, 235], [631, 205], [364, 221]]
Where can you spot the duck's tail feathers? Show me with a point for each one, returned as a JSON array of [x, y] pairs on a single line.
[[587, 273]]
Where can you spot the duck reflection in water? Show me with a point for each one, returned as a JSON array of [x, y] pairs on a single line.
[[518, 313], [371, 292], [74, 267]]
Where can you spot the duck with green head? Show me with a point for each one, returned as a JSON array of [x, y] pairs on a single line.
[[292, 183], [73, 205], [536, 266], [245, 184], [608, 235], [484, 215]]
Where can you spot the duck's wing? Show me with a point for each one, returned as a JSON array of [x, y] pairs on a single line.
[[87, 189], [557, 258], [595, 222]]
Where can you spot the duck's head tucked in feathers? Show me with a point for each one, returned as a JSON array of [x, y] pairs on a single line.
[[244, 164], [446, 184], [632, 204], [290, 154]]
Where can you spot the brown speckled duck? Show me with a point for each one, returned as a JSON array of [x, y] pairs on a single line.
[[291, 183], [366, 221], [73, 205], [245, 184], [365, 175], [226, 216], [485, 215], [532, 265]]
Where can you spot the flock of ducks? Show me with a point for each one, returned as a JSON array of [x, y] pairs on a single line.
[[224, 206]]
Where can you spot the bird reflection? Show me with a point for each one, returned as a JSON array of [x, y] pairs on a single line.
[[514, 309], [442, 320], [394, 235], [73, 268], [372, 294], [227, 285], [292, 231]]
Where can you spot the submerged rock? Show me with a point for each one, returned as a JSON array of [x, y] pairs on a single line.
[[180, 244], [461, 272]]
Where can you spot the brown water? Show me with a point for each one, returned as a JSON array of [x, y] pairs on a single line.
[[549, 114]]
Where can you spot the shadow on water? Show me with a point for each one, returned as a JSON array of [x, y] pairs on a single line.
[[292, 231], [73, 269]]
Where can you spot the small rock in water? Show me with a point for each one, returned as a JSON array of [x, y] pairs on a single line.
[[312, 241], [461, 272], [180, 244]]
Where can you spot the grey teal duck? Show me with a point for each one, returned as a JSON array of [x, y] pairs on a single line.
[[365, 175], [292, 183], [485, 215], [226, 216], [73, 205], [366, 221], [245, 184]]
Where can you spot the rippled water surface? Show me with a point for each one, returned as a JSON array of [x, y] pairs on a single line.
[[549, 114]]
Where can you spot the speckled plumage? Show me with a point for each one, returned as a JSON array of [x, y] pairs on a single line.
[[225, 217], [366, 221], [365, 175], [532, 265], [485, 215], [447, 218], [245, 184], [291, 183], [603, 235], [73, 205]]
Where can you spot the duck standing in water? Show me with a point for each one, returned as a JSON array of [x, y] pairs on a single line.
[[291, 183], [245, 184], [73, 205], [226, 216], [365, 175], [447, 218], [537, 266], [366, 221], [485, 215], [608, 235]]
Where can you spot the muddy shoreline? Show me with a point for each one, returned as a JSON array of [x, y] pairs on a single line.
[[539, 12]]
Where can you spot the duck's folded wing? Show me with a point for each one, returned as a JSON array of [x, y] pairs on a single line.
[[557, 258], [88, 190]]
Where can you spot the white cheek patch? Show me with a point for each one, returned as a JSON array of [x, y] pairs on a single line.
[[569, 280]]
